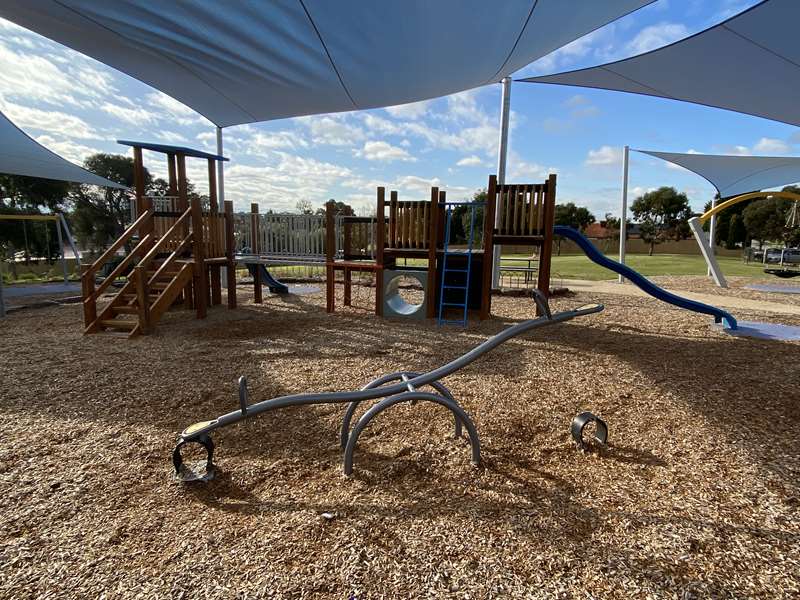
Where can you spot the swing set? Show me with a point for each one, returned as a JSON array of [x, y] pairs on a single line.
[[60, 222]]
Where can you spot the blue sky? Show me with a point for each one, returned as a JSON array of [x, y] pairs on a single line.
[[76, 106]]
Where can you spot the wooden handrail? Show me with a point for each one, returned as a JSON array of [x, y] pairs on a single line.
[[175, 253], [127, 235], [120, 268], [158, 246]]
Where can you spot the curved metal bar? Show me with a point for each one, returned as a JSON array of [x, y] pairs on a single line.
[[369, 394], [405, 397], [376, 383]]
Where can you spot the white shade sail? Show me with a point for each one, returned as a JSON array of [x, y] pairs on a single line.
[[749, 64], [240, 61], [21, 155], [735, 175]]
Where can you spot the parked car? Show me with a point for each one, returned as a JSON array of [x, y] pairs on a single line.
[[785, 255]]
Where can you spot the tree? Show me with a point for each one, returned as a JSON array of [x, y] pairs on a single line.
[[30, 195], [340, 208], [100, 215], [723, 222], [569, 215], [304, 207], [662, 214], [737, 232], [765, 219]]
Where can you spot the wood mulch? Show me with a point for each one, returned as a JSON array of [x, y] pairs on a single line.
[[697, 495]]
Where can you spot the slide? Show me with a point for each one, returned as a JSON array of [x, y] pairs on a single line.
[[642, 282], [275, 286]]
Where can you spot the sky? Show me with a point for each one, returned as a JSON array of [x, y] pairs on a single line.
[[76, 106]]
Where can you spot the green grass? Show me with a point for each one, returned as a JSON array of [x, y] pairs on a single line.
[[580, 267]]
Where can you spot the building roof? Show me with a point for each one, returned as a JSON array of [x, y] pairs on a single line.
[[749, 64], [22, 155], [240, 62]]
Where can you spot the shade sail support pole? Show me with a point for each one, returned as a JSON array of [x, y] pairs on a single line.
[[220, 170], [712, 236], [502, 155], [623, 213]]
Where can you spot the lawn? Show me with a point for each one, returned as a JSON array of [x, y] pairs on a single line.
[[580, 267]]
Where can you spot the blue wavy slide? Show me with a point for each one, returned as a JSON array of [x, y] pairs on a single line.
[[275, 286], [642, 282]]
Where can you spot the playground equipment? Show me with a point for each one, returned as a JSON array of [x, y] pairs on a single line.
[[178, 250], [260, 271], [394, 305], [421, 231], [720, 316], [696, 225], [579, 425], [409, 388], [60, 223]]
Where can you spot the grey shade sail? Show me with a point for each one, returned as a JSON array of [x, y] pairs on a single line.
[[22, 155], [735, 175], [749, 64], [240, 61]]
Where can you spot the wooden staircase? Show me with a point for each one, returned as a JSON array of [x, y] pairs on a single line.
[[163, 270]]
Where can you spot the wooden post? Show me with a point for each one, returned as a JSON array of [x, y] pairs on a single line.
[[142, 298], [257, 291], [380, 242], [393, 220], [200, 285], [488, 245], [348, 287], [230, 271], [330, 256], [546, 254], [138, 180], [172, 176], [89, 303], [433, 244]]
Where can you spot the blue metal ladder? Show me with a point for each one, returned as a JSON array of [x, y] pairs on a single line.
[[443, 306]]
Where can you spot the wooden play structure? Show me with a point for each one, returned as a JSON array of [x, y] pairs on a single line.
[[176, 249], [515, 214]]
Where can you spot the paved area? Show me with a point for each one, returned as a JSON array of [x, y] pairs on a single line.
[[628, 289], [39, 289]]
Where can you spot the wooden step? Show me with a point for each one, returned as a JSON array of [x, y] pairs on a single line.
[[126, 324], [125, 309]]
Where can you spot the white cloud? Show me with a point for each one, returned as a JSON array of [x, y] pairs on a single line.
[[333, 131], [772, 146], [470, 161], [51, 122], [655, 36], [385, 152], [70, 150], [135, 116], [605, 155], [172, 137], [415, 110]]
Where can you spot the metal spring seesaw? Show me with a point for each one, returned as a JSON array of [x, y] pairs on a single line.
[[408, 389]]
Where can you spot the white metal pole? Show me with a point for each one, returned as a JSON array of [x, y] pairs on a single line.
[[221, 195], [63, 254], [623, 217], [220, 170], [71, 242], [712, 233], [502, 154]]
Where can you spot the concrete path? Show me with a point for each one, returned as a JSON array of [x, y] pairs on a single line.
[[39, 289], [628, 289]]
